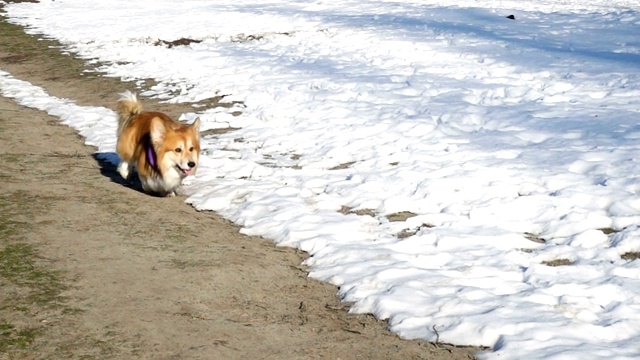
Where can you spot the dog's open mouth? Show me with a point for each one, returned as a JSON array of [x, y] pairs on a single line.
[[185, 172]]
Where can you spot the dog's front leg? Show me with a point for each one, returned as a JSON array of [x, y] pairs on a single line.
[[124, 168]]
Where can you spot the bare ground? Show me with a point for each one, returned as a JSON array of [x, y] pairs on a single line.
[[91, 268]]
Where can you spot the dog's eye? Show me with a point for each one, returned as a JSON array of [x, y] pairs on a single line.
[[178, 150], [191, 148]]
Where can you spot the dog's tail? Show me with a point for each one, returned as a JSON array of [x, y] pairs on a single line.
[[128, 108]]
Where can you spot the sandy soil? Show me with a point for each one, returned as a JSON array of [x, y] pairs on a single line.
[[93, 268]]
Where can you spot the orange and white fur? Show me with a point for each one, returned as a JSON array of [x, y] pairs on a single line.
[[162, 150]]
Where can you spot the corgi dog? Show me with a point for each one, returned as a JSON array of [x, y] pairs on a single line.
[[162, 150]]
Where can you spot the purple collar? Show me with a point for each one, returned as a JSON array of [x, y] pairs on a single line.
[[151, 156]]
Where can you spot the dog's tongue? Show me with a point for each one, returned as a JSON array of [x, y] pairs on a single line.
[[186, 172]]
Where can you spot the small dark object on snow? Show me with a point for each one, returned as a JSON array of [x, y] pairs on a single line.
[[179, 42], [512, 17]]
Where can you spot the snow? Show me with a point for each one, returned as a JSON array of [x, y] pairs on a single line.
[[508, 146]]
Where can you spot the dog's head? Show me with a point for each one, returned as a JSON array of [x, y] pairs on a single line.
[[177, 147]]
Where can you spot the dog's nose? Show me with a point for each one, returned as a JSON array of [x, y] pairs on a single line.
[[191, 164]]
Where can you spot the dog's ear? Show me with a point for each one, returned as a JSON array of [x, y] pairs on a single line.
[[196, 124], [157, 131]]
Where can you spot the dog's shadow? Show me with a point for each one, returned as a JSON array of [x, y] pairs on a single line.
[[108, 168]]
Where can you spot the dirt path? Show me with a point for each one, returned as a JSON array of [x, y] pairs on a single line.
[[90, 268]]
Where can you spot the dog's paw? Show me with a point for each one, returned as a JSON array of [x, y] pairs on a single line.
[[124, 169], [170, 194]]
